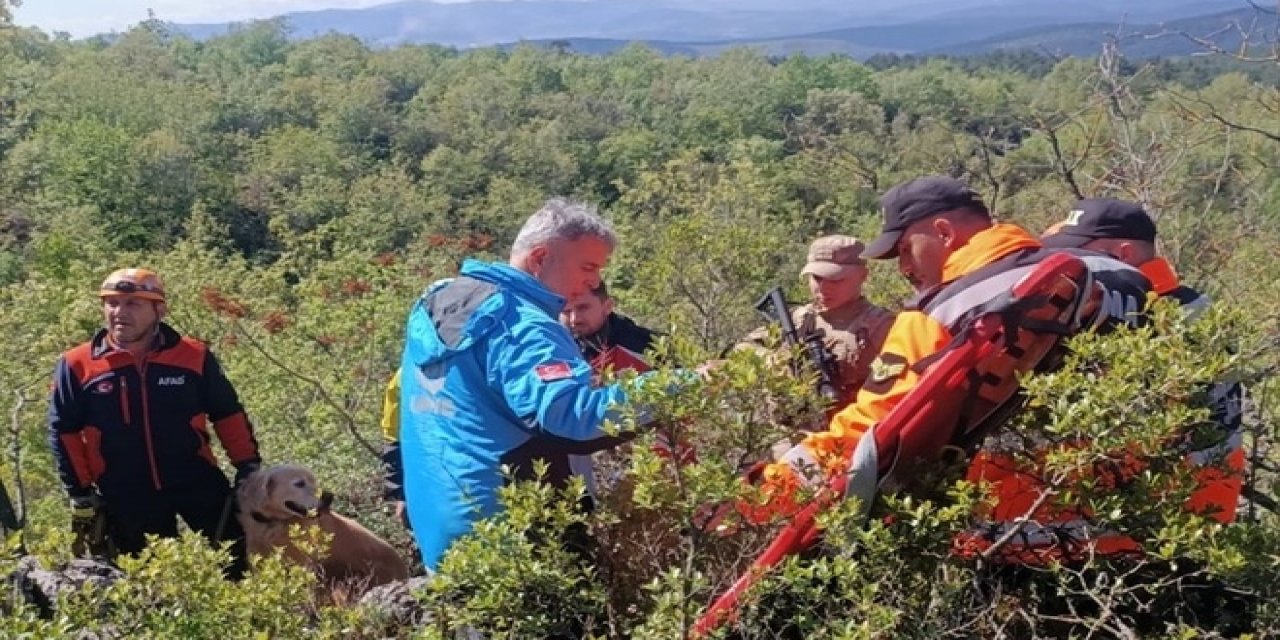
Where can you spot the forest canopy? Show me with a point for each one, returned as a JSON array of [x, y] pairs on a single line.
[[297, 196]]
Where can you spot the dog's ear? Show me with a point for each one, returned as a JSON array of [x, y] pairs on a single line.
[[251, 493]]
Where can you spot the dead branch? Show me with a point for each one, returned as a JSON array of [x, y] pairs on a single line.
[[15, 431], [348, 420]]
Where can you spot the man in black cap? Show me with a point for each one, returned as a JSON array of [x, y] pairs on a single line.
[[927, 220], [1124, 231]]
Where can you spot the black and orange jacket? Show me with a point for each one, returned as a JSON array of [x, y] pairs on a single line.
[[1166, 284], [1222, 463], [125, 425]]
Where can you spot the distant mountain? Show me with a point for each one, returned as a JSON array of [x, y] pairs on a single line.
[[1005, 12], [855, 27], [1136, 40], [963, 35], [489, 22]]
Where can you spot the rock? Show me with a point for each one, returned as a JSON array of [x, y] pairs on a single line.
[[397, 603], [44, 588], [107, 632]]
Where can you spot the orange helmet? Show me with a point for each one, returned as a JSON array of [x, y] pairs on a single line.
[[143, 283]]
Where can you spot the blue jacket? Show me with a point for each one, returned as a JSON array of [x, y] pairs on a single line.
[[487, 370]]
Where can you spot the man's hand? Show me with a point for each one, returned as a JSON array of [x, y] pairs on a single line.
[[87, 524], [401, 514], [704, 370]]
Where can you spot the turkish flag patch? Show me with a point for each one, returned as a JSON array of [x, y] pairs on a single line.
[[553, 371]]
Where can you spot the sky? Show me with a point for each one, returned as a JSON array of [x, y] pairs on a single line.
[[87, 17]]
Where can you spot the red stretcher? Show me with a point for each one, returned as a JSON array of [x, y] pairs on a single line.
[[972, 383]]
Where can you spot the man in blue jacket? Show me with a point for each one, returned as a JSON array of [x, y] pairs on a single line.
[[490, 377]]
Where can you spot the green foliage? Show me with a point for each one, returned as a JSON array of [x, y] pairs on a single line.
[[175, 589], [533, 549], [298, 196]]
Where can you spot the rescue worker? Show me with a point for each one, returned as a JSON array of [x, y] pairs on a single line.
[[392, 464], [606, 337], [129, 424], [958, 259], [491, 378], [1126, 232], [851, 327]]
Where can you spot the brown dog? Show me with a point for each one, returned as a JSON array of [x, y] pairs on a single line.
[[273, 499]]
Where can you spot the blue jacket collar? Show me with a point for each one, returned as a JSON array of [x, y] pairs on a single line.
[[516, 281]]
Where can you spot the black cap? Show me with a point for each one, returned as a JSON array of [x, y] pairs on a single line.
[[1098, 218], [917, 200]]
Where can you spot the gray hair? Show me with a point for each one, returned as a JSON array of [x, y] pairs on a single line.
[[562, 219]]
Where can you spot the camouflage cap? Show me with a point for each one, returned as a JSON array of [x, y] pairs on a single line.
[[834, 257]]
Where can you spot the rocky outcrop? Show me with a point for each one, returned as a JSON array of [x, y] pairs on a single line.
[[46, 588], [396, 603]]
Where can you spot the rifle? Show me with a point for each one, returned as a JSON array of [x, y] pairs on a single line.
[[774, 307]]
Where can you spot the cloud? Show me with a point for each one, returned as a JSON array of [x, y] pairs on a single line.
[[228, 10], [86, 17]]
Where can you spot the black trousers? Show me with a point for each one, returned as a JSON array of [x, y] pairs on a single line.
[[203, 505]]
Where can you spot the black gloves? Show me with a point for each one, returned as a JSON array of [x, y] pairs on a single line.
[[88, 525]]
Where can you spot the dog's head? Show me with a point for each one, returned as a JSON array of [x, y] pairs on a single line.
[[284, 492]]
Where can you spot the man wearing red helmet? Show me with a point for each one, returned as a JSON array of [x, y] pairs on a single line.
[[129, 425]]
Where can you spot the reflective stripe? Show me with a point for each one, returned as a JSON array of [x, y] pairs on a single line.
[[864, 471], [956, 303], [1194, 308], [974, 298], [1103, 264], [804, 465], [1226, 402]]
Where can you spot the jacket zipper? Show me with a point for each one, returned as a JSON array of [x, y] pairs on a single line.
[[146, 428], [124, 400]]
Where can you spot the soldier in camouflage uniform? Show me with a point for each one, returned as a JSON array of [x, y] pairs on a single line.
[[852, 328]]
